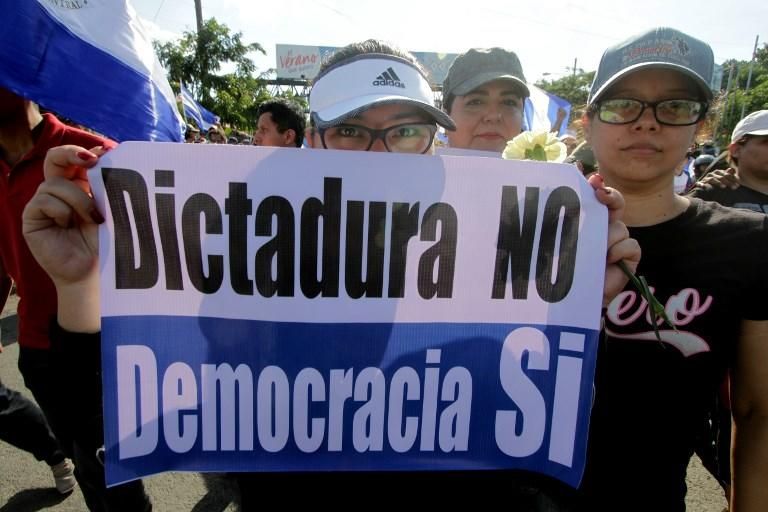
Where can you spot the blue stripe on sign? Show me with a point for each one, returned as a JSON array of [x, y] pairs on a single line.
[[45, 62], [327, 397]]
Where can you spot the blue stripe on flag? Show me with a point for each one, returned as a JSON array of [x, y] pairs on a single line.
[[44, 61], [203, 118], [541, 111]]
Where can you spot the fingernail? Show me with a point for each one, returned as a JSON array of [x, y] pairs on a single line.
[[601, 184], [96, 216], [600, 180], [85, 155]]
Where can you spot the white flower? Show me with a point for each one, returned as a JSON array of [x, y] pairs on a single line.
[[542, 146]]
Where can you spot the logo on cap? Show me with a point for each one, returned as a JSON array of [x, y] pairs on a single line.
[[663, 49], [390, 78]]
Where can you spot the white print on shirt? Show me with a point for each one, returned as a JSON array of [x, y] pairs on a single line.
[[681, 309]]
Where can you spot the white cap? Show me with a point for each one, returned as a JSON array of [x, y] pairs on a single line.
[[755, 123], [370, 80]]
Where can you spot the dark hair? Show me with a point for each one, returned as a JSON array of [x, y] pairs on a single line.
[[287, 115]]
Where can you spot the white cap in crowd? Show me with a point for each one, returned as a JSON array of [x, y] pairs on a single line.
[[755, 123]]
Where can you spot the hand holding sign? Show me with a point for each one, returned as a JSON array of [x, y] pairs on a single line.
[[60, 226], [620, 246]]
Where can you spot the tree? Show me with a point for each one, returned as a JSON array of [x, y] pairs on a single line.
[[727, 109], [197, 60], [573, 87]]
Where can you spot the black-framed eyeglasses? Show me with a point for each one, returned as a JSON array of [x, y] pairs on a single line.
[[670, 112], [402, 138]]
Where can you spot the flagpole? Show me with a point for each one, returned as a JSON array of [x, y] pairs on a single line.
[[749, 77], [199, 17], [183, 110], [724, 112]]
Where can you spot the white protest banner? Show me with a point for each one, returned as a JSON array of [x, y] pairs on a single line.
[[283, 309]]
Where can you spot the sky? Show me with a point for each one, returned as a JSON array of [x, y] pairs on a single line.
[[547, 36]]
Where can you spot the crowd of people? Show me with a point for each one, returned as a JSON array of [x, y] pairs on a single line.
[[279, 123], [655, 402]]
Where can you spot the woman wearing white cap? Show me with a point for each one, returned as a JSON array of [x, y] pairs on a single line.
[[368, 97], [371, 96], [705, 263]]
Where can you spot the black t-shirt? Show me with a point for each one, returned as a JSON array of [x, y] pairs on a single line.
[[708, 266], [648, 395], [742, 197]]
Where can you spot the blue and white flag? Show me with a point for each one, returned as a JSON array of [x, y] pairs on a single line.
[[91, 61], [541, 110], [202, 117]]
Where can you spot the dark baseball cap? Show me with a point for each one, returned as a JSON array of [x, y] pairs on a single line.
[[704, 160], [479, 66], [662, 47]]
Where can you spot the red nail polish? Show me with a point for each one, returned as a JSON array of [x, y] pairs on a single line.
[[96, 216], [85, 155]]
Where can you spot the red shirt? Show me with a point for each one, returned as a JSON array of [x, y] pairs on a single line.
[[37, 295]]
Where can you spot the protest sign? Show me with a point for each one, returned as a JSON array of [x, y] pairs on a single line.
[[284, 310]]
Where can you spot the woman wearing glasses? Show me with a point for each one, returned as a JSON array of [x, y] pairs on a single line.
[[370, 96], [705, 263]]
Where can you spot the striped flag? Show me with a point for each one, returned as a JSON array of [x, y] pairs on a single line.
[[541, 110], [90, 61], [202, 117]]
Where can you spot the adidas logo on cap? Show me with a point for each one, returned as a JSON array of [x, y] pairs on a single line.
[[389, 77]]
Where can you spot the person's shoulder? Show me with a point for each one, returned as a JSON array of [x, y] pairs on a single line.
[[741, 197], [711, 212], [742, 234], [72, 135], [83, 138]]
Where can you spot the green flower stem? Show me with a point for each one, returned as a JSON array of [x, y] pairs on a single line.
[[655, 307]]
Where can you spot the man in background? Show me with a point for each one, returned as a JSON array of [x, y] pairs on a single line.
[[216, 135], [745, 187], [281, 123], [749, 157], [23, 424]]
